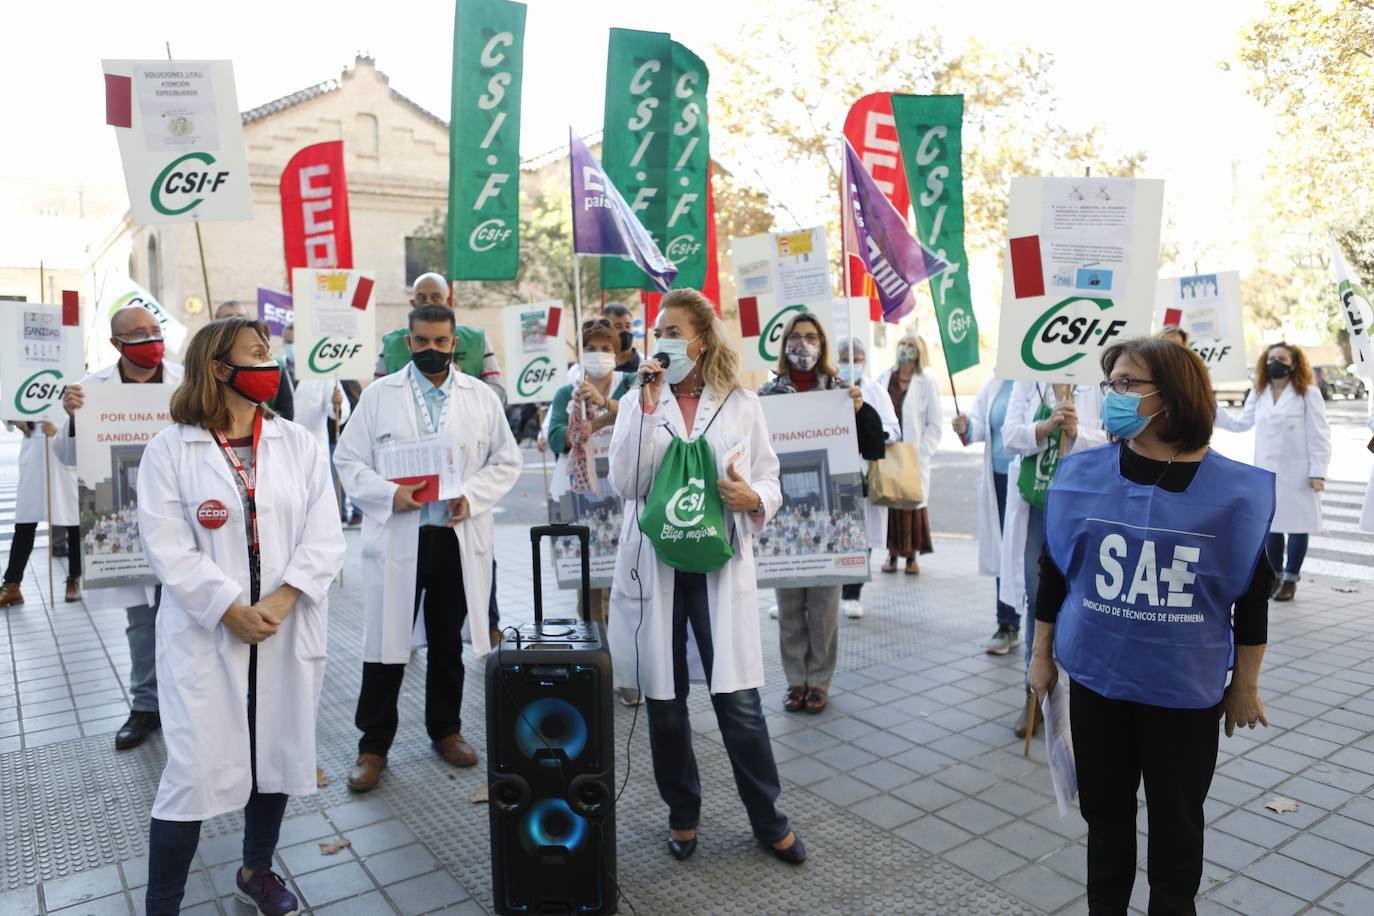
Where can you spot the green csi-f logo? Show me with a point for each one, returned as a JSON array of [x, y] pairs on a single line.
[[36, 392], [957, 327], [687, 507], [770, 341], [329, 354], [1082, 331], [537, 373], [181, 176]]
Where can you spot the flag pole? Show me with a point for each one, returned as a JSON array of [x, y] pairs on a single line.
[[844, 254], [47, 480], [200, 243]]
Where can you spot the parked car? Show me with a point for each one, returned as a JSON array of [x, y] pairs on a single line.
[[1333, 380], [1232, 394]]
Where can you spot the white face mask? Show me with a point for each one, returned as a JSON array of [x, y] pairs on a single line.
[[679, 364], [597, 365]]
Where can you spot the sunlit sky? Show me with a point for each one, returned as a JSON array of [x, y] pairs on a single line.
[[1148, 73]]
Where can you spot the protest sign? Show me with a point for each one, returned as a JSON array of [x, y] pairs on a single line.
[[117, 423], [484, 140], [777, 275], [180, 139], [1208, 308], [335, 321], [534, 351], [314, 209], [275, 311], [602, 511], [1081, 274], [1355, 308], [818, 537], [121, 292], [40, 354]]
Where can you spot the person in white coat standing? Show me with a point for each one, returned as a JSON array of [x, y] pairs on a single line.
[[917, 402], [36, 457], [1292, 439], [699, 395], [436, 555], [137, 335], [237, 516]]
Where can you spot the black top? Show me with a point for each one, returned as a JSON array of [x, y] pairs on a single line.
[[631, 363], [1250, 619]]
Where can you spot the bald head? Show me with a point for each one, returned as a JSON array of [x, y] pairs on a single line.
[[134, 321], [230, 308], [430, 289]]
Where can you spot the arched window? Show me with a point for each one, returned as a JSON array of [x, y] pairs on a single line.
[[154, 269], [369, 142]]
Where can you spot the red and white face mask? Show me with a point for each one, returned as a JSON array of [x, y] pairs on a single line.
[[146, 354], [256, 383]]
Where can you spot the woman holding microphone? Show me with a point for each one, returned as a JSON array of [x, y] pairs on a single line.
[[237, 514], [1153, 583], [695, 394]]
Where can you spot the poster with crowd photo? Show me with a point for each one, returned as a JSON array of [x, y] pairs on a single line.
[[115, 424], [818, 537], [1208, 307], [599, 509]]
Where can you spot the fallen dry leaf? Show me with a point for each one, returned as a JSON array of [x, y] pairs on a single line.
[[480, 796], [1281, 805], [321, 780], [332, 849], [1344, 589]]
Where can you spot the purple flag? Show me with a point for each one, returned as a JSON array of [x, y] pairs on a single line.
[[892, 256], [603, 224], [275, 310]]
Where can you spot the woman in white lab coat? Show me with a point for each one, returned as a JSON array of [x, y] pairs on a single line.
[[31, 509], [238, 521], [1292, 439], [917, 402], [652, 603]]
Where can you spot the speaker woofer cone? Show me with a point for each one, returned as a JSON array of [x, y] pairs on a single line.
[[509, 793]]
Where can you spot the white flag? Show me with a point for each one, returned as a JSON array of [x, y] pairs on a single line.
[[1354, 305]]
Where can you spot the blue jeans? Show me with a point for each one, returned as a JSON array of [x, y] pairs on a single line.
[[743, 729], [1006, 614], [1297, 552], [142, 635], [1035, 544]]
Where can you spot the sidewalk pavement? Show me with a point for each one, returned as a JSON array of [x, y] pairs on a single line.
[[910, 790]]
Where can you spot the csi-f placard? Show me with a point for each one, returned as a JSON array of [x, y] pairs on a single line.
[[40, 354], [1208, 308], [534, 352], [336, 323], [180, 139]]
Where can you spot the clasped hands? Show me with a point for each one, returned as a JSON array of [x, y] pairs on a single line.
[[253, 623]]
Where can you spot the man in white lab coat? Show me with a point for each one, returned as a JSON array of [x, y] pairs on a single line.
[[136, 334], [436, 554]]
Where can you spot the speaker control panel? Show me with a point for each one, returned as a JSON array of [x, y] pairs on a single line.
[[555, 633]]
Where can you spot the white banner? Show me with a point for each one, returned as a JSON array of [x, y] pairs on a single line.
[[1080, 274], [182, 147], [1208, 308], [336, 322], [114, 425], [39, 357], [534, 351], [1355, 308], [818, 537], [120, 293]]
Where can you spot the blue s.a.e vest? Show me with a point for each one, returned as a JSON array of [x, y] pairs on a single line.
[[1153, 575]]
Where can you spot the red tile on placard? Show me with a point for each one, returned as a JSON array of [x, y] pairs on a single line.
[[749, 316], [1173, 317], [71, 308], [362, 293], [1027, 271], [555, 318], [119, 91]]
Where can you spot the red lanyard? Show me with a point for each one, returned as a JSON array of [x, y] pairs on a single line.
[[249, 477]]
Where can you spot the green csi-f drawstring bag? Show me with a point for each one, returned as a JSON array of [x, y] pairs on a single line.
[[683, 515], [1037, 471]]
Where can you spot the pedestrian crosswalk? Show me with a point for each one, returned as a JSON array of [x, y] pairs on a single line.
[[1342, 549]]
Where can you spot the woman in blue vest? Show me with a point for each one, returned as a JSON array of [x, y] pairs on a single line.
[[1153, 584]]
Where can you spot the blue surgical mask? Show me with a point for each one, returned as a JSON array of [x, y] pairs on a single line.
[[1121, 414], [850, 373], [680, 365]]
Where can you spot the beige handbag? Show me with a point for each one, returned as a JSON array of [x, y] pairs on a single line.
[[895, 480]]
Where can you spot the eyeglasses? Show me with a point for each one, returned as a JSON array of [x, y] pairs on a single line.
[[812, 339], [595, 323], [1123, 385], [139, 336]]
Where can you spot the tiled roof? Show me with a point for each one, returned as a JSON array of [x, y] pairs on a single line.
[[328, 86]]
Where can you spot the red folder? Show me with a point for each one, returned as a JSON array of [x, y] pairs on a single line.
[[429, 493]]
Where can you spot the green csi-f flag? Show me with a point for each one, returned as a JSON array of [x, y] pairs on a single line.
[[656, 150], [928, 130], [484, 140]]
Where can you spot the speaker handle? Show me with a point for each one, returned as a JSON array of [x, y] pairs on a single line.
[[584, 537]]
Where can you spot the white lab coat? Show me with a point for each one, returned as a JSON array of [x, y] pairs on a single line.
[[31, 499], [315, 407], [989, 526], [202, 667], [1367, 513], [1018, 437], [875, 517], [489, 464], [1293, 440], [124, 596], [637, 449], [922, 422]]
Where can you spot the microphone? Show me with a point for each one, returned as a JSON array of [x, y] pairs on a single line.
[[663, 359]]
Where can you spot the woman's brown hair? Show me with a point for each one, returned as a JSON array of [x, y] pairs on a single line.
[[823, 365], [1185, 389], [1301, 376], [600, 329], [199, 400]]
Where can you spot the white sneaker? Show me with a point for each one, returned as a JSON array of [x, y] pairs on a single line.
[[1003, 641], [852, 608], [630, 696], [773, 612]]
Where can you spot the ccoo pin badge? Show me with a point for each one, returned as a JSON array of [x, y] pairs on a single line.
[[212, 514]]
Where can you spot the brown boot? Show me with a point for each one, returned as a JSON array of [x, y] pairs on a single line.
[[10, 594], [73, 589], [1287, 588], [367, 770], [456, 750]]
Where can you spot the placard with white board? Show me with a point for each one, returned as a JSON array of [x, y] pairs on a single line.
[[336, 323]]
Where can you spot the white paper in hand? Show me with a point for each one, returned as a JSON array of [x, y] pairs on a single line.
[[1059, 747]]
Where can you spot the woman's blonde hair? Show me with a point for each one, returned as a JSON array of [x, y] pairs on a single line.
[[199, 400], [823, 365], [922, 352], [720, 363]]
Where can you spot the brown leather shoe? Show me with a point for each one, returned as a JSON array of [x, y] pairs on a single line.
[[73, 589], [1287, 589], [367, 770], [10, 594], [816, 700], [456, 750], [795, 699]]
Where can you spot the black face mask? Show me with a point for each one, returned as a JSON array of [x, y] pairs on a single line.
[[1276, 369], [627, 340], [431, 361]]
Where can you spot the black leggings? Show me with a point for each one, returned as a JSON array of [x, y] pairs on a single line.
[[22, 546]]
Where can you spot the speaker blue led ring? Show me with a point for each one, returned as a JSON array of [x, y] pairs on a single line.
[[552, 823], [550, 724]]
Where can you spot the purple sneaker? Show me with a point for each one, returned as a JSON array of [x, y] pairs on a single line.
[[266, 891]]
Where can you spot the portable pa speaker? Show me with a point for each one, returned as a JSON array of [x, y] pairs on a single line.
[[551, 760]]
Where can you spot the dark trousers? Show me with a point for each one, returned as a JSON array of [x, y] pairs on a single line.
[[851, 591], [743, 729], [22, 547], [1115, 743], [172, 844], [1006, 614], [439, 587], [1273, 549]]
